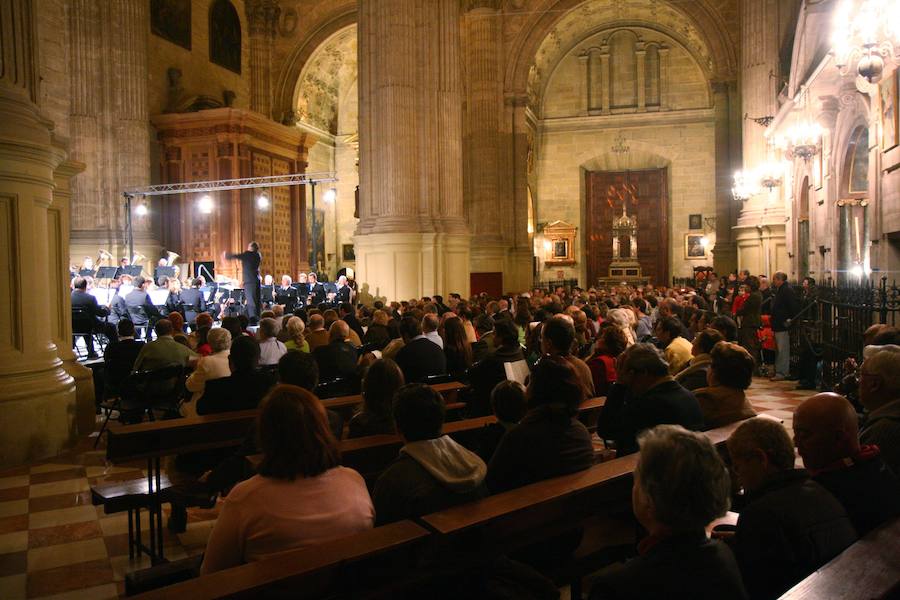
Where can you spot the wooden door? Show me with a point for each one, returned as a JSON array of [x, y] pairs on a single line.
[[491, 283], [646, 195]]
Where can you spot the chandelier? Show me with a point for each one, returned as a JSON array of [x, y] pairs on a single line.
[[865, 31], [770, 175], [744, 186], [801, 140]]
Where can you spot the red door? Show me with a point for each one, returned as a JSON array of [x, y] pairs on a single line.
[[490, 283]]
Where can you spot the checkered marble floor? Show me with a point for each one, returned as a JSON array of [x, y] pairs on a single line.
[[55, 544]]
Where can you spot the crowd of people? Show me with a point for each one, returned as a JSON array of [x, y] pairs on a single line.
[[672, 362]]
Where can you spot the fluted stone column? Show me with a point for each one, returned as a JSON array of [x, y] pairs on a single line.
[[37, 396], [760, 231], [727, 109], [262, 16], [411, 238]]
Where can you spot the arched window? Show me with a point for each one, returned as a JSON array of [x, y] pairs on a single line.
[[855, 178], [651, 76], [225, 35]]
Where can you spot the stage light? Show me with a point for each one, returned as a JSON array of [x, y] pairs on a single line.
[[857, 271], [262, 201], [141, 210], [205, 204], [330, 195]]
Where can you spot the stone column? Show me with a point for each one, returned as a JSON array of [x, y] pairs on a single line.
[[726, 104], [37, 396], [641, 62], [262, 16], [411, 238], [585, 60], [760, 61], [605, 80]]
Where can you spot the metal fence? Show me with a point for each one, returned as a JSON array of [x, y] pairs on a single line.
[[550, 286], [830, 326]]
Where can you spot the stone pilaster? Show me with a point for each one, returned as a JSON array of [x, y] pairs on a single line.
[[262, 15], [37, 396], [727, 107], [760, 231], [411, 238]]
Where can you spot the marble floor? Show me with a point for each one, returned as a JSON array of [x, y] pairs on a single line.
[[55, 544]]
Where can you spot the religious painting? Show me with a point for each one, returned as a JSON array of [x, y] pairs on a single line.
[[171, 20], [858, 153], [347, 252], [315, 233], [695, 221], [693, 246], [225, 36], [561, 236], [890, 132], [560, 249]]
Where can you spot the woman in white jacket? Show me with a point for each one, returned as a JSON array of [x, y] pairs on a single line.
[[209, 367]]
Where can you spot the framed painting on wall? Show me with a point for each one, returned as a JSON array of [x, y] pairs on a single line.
[[695, 221], [890, 127], [694, 247]]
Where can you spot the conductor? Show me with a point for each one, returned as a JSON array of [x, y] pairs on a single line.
[[250, 272]]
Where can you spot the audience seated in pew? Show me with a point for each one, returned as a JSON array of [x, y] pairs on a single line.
[[487, 373], [301, 495], [790, 525], [421, 357], [644, 396], [164, 351], [377, 335], [509, 404], [213, 366], [723, 401], [549, 441], [677, 349], [457, 349], [558, 339], [693, 376], [879, 393], [611, 342], [337, 359], [826, 435], [316, 334], [680, 485], [295, 338], [120, 356], [433, 472], [270, 348], [244, 388], [382, 380]]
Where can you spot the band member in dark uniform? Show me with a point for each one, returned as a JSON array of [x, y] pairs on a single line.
[[250, 260], [267, 292], [286, 294], [343, 291], [193, 302], [316, 290], [86, 314], [141, 310]]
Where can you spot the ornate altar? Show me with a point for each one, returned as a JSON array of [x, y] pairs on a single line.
[[624, 267], [226, 143]]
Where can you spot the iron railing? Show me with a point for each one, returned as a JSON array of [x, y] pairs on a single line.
[[549, 286]]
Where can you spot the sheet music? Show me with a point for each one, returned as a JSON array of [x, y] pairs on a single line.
[[103, 295], [158, 297]]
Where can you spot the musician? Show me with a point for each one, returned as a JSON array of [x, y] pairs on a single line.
[[140, 308], [302, 287], [120, 270], [343, 291], [117, 308], [87, 267], [193, 302], [86, 314], [286, 294], [174, 302], [250, 260], [267, 292], [161, 280], [316, 290]]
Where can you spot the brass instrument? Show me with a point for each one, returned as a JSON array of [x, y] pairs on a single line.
[[171, 257], [103, 255], [137, 258]]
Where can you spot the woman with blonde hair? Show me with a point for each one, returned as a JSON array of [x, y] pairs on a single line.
[[296, 341]]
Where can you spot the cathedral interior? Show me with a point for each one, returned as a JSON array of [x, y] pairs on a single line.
[[429, 147]]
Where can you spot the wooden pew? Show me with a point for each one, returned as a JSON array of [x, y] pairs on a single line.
[[346, 405], [867, 570], [371, 563]]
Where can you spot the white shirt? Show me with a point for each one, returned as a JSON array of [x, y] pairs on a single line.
[[433, 336], [214, 366], [271, 351]]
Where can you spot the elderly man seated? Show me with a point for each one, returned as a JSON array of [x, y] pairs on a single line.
[[827, 438], [879, 393], [723, 401], [645, 395], [790, 525], [164, 351], [680, 485]]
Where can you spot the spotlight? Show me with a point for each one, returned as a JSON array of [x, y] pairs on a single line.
[[262, 201], [857, 271], [330, 195], [547, 245], [704, 241], [141, 210], [205, 204]]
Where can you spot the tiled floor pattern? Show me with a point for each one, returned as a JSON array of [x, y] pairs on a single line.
[[55, 544]]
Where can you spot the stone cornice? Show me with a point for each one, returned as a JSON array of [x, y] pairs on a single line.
[[637, 119]]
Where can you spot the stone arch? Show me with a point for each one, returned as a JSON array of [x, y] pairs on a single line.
[[340, 15], [544, 15], [324, 81]]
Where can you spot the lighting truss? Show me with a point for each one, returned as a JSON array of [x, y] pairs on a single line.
[[231, 184]]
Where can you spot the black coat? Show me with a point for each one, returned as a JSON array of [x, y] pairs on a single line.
[[86, 312], [546, 443], [141, 308], [682, 566], [240, 391], [784, 306], [193, 303], [789, 528], [377, 335], [421, 358], [625, 416], [118, 362], [868, 489], [336, 360], [287, 297], [750, 312], [484, 377]]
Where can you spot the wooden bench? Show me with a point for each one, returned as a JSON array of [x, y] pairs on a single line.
[[867, 570], [346, 405], [368, 564]]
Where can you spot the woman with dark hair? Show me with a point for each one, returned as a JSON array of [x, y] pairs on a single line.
[[457, 348], [549, 441], [381, 382], [203, 347], [611, 342], [723, 401], [300, 497]]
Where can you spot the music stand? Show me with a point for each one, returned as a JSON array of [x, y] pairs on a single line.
[[237, 294], [85, 273], [133, 270], [167, 272], [106, 272]]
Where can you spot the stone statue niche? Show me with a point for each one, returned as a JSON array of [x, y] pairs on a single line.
[[625, 265]]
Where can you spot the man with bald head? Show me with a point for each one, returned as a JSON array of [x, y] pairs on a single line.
[[826, 436], [879, 393]]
